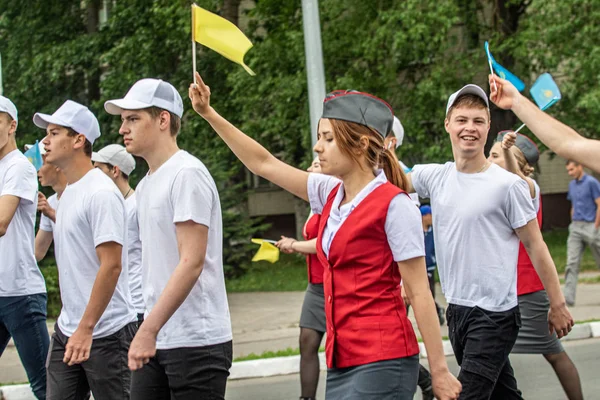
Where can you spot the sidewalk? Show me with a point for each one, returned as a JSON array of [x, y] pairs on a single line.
[[269, 322]]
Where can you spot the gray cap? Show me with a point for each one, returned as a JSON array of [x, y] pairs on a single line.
[[360, 108], [526, 145], [117, 156], [467, 89]]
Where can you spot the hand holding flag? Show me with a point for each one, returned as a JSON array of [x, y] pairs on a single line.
[[267, 251]]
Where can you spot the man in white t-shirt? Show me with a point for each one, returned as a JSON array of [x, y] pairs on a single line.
[[118, 164], [97, 321], [183, 348], [22, 289], [51, 176], [480, 211]]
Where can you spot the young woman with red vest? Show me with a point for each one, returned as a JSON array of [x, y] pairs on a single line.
[[517, 153], [371, 348], [312, 317]]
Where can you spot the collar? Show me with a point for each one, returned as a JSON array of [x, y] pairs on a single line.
[[340, 214]]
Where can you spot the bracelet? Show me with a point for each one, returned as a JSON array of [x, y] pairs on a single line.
[[292, 244]]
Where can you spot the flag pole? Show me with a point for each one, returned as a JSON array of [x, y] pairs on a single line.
[[521, 127], [194, 44]]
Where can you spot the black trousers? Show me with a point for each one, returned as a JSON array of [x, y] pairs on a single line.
[[482, 341], [106, 372], [186, 373]]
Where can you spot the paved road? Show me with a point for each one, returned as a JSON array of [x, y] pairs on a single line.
[[536, 378]]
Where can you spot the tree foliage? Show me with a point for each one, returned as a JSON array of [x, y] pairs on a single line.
[[413, 53]]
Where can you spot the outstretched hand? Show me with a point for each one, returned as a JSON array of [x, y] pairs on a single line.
[[285, 244], [199, 94], [503, 93], [509, 140]]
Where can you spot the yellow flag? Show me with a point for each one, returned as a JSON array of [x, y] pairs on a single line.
[[267, 251], [220, 35]]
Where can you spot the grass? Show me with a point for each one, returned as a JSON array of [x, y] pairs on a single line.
[[289, 273]]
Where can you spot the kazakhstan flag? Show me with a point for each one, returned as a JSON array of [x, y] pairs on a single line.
[[545, 91], [34, 156], [503, 72]]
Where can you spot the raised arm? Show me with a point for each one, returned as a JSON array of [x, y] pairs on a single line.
[[511, 161], [253, 155], [560, 138]]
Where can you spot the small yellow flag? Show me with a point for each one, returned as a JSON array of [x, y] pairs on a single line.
[[267, 251], [220, 35]]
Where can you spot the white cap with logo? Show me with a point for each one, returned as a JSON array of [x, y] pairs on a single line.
[[117, 156], [468, 89], [8, 107], [71, 115], [147, 93]]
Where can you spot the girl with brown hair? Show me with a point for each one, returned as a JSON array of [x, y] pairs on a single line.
[[370, 234]]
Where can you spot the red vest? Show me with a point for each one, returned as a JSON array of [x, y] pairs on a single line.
[[315, 268], [366, 317], [528, 280]]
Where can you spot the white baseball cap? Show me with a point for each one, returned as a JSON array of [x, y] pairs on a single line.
[[8, 107], [71, 115], [398, 130], [40, 145], [147, 93], [468, 89], [115, 155]]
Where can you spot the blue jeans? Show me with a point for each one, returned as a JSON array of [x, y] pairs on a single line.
[[24, 319]]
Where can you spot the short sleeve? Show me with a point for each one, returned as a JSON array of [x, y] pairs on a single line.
[[46, 223], [319, 187], [106, 215], [424, 178], [404, 229], [193, 197], [518, 204], [595, 189], [20, 181]]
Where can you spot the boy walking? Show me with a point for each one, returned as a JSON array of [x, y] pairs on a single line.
[[183, 348]]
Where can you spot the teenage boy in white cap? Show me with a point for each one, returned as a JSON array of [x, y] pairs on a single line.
[[480, 213], [22, 288], [97, 320], [118, 164], [48, 175], [185, 340]]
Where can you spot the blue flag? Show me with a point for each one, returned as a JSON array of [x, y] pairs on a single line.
[[545, 92], [34, 156], [503, 72]]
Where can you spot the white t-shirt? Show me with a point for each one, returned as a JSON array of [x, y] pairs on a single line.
[[536, 199], [403, 224], [182, 190], [91, 212], [414, 197], [46, 224], [19, 273], [134, 254], [474, 218]]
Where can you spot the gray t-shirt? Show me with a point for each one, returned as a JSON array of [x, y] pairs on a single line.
[[474, 218]]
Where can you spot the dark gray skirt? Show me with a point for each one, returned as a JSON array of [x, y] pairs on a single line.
[[534, 337], [313, 308], [382, 380]]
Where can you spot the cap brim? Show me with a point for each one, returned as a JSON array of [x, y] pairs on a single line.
[[116, 107], [97, 157], [43, 120]]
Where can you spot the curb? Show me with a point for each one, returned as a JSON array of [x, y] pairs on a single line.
[[290, 365]]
